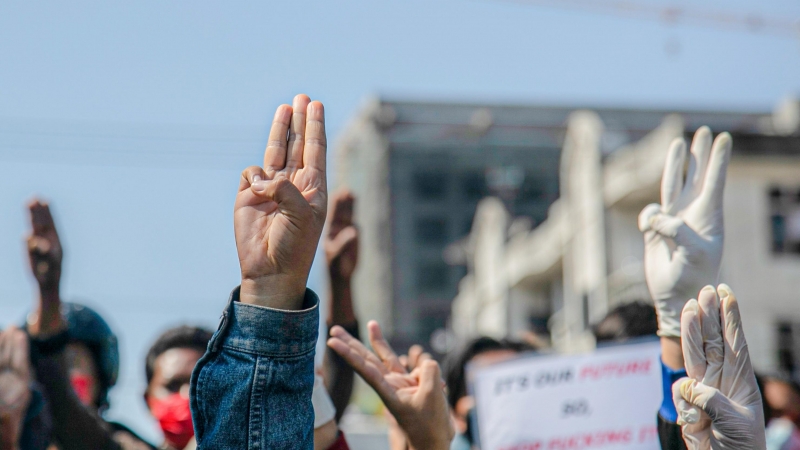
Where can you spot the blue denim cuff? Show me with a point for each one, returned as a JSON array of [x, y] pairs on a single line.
[[267, 331], [668, 378]]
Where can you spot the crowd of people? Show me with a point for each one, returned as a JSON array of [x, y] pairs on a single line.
[[252, 383]]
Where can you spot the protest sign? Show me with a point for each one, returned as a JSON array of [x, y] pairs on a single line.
[[607, 399]]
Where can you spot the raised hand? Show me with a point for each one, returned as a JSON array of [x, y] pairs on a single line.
[[44, 247], [45, 256], [719, 405], [415, 399], [341, 241], [683, 235], [15, 379], [280, 208]]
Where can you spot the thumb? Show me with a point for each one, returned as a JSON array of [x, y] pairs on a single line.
[[644, 217], [707, 398], [687, 413], [342, 239]]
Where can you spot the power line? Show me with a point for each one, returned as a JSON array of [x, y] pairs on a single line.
[[672, 15]]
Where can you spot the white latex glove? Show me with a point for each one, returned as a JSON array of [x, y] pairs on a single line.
[[683, 235], [719, 405]]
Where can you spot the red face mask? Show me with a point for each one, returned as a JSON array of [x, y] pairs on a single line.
[[82, 385], [175, 417]]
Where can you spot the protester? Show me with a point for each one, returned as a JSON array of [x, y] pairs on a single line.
[[719, 403], [479, 352], [74, 353], [683, 251], [628, 321], [168, 370], [782, 394]]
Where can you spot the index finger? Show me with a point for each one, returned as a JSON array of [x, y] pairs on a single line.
[[740, 384], [383, 349], [356, 348], [277, 145], [316, 144], [692, 341]]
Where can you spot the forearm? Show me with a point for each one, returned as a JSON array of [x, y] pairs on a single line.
[[671, 352], [254, 383], [339, 377], [74, 426], [340, 310], [46, 318]]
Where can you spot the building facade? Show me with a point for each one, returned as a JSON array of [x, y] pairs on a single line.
[[586, 257]]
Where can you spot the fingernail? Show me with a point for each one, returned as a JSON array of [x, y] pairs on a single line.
[[259, 186], [723, 290], [256, 178]]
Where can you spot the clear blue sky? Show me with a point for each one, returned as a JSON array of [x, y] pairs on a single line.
[[135, 118]]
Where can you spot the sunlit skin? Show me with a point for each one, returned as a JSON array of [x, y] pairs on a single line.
[[172, 372], [81, 363]]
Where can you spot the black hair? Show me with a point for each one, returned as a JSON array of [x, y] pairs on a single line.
[[179, 337], [636, 319], [456, 362]]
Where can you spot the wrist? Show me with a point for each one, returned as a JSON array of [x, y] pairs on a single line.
[[277, 292]]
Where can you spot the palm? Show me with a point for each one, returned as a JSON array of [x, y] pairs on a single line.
[[280, 209], [341, 242]]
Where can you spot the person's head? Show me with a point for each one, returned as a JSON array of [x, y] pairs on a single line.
[[480, 351], [168, 368], [782, 395], [627, 321], [92, 354]]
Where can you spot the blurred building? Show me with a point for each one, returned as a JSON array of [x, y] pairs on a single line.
[[587, 256], [418, 171]]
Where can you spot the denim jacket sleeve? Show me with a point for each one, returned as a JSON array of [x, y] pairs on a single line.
[[252, 388]]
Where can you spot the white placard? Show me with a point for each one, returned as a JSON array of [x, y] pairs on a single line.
[[607, 400]]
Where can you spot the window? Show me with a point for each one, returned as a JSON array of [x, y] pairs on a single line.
[[432, 276], [473, 185], [431, 231], [788, 347], [429, 185], [785, 220]]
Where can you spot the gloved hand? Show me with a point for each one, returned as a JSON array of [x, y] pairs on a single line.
[[719, 405], [683, 235]]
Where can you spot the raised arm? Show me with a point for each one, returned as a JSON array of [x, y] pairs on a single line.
[[341, 252], [253, 386], [74, 425]]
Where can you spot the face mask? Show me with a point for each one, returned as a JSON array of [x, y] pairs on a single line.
[[175, 418], [82, 385]]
